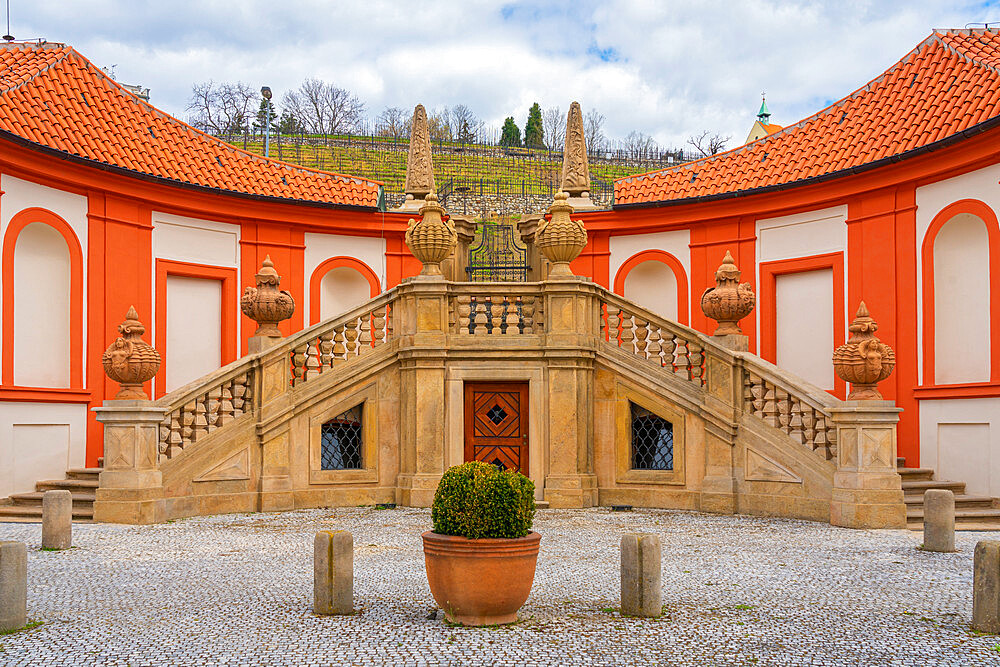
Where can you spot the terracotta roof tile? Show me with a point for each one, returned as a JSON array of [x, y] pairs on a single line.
[[947, 84], [54, 97]]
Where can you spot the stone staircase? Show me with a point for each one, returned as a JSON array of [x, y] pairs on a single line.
[[81, 482], [971, 512]]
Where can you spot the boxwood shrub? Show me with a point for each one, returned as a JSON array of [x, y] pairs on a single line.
[[478, 500]]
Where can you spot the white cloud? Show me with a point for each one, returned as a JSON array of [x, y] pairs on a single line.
[[669, 68]]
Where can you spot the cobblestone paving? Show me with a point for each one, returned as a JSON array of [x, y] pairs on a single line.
[[236, 590]]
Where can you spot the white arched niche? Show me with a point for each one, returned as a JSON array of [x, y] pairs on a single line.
[[653, 285], [341, 289]]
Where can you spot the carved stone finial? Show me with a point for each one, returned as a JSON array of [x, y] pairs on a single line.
[[130, 361], [266, 304], [575, 171], [431, 239], [729, 301], [419, 168], [559, 238], [864, 360]]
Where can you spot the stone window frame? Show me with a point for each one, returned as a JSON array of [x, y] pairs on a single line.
[[367, 397], [624, 472]]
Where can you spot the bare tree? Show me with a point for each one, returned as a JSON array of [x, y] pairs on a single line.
[[639, 145], [554, 124], [439, 124], [465, 123], [222, 108], [394, 122], [593, 129], [323, 107], [709, 144]]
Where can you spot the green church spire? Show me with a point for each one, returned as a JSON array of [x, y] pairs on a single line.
[[764, 116]]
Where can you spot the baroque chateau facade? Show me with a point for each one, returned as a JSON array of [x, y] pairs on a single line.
[[888, 196]]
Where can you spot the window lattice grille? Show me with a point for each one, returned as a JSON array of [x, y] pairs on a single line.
[[340, 447], [652, 441]]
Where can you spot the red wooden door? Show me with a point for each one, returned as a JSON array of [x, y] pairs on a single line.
[[496, 424]]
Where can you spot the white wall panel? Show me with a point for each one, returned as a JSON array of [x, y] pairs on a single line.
[[39, 441], [653, 285], [961, 322], [194, 329], [960, 440], [804, 303], [20, 194], [342, 289], [803, 234], [196, 241], [931, 199], [321, 247], [676, 243], [41, 308]]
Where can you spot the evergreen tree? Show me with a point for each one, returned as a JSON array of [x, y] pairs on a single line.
[[261, 118], [534, 134], [289, 124], [510, 135]]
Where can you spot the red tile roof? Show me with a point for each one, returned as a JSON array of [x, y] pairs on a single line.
[[52, 96], [949, 83]]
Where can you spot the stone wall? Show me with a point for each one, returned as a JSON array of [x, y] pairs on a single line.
[[504, 205]]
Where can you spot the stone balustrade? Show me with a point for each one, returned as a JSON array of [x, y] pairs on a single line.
[[497, 309]]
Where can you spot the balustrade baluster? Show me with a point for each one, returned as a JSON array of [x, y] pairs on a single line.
[[480, 317], [496, 315], [464, 312], [641, 333], [696, 357], [653, 346], [626, 336], [365, 341], [313, 363], [613, 321], [299, 362], [351, 338], [378, 323], [528, 314], [239, 392], [339, 351], [325, 350], [513, 320]]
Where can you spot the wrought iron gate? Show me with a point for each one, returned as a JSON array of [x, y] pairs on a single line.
[[498, 257]]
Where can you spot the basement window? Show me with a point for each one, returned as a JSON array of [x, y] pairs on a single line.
[[652, 440], [340, 446]]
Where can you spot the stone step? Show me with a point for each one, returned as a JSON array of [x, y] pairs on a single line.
[[962, 500], [919, 486], [965, 519], [34, 498], [916, 474], [27, 513], [66, 484], [84, 473]]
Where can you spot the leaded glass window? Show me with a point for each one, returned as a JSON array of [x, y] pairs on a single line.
[[341, 441], [652, 440]]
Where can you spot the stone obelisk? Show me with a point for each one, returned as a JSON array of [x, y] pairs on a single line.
[[575, 171], [419, 168]]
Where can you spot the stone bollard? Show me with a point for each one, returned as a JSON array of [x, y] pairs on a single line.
[[13, 586], [642, 592], [939, 520], [333, 573], [57, 520], [986, 587]]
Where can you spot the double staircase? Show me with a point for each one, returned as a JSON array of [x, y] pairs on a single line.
[[971, 512], [81, 482]]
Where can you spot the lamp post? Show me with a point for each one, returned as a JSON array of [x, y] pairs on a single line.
[[266, 92]]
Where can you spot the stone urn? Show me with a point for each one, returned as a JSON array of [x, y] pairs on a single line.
[[559, 238], [729, 301], [864, 360], [431, 239], [266, 304], [130, 361]]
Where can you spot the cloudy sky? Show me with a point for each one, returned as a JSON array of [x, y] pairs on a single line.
[[669, 68]]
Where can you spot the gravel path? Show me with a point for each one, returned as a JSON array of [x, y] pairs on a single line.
[[236, 590]]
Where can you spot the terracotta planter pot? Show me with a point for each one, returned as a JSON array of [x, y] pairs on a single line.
[[480, 582]]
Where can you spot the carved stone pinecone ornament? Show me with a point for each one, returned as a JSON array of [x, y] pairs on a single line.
[[431, 239], [864, 360], [265, 304], [729, 301], [560, 238], [130, 361]]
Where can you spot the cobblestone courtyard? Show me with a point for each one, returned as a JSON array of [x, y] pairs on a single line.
[[236, 590]]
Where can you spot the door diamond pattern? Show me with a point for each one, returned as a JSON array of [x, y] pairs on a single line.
[[496, 424]]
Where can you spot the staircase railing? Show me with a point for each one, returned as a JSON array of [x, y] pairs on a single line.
[[494, 309]]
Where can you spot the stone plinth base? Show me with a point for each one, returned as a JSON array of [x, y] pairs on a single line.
[[867, 508], [416, 490], [734, 342], [570, 491], [410, 205], [718, 495], [132, 506]]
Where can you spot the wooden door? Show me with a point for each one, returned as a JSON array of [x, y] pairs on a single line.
[[496, 424]]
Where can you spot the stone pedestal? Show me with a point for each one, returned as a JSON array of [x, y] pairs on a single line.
[[734, 342], [642, 590], [939, 520], [333, 572], [275, 474], [455, 267], [538, 266], [13, 586], [57, 519], [131, 486], [257, 344], [867, 490], [986, 587]]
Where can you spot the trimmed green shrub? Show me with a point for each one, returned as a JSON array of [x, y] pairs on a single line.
[[478, 500]]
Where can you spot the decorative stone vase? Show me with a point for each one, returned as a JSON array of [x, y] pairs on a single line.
[[729, 301], [266, 304], [130, 361], [431, 239], [864, 360], [559, 238], [480, 582]]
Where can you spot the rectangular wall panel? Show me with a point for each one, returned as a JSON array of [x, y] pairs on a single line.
[[194, 329], [964, 456], [804, 335]]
